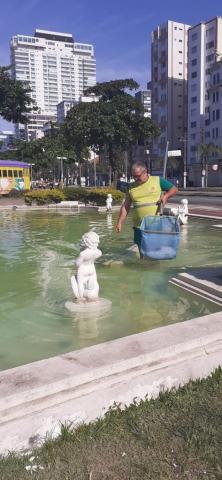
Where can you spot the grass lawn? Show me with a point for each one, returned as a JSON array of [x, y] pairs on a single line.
[[177, 436]]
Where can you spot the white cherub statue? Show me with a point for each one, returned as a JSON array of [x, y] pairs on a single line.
[[84, 283], [109, 202], [183, 211]]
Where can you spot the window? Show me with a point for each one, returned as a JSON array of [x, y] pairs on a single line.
[[10, 173], [217, 96], [15, 173], [194, 62], [210, 44], [20, 173], [216, 132], [4, 173], [209, 58], [207, 71], [194, 36], [207, 134], [218, 77], [213, 133], [193, 124], [213, 115], [193, 74], [217, 114], [193, 136], [194, 49], [193, 99]]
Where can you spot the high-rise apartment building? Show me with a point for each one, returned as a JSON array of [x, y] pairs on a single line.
[[56, 67], [169, 88], [204, 93], [144, 97]]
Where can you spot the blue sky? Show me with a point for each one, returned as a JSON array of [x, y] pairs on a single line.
[[119, 29]]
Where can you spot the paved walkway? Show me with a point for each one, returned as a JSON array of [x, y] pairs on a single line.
[[206, 211]]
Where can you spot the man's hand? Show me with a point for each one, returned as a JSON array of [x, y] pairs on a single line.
[[118, 227], [163, 199]]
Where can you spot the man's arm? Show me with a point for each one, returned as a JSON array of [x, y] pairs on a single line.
[[124, 210], [166, 195], [169, 190]]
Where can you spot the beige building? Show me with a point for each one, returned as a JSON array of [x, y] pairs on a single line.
[[169, 88], [204, 96]]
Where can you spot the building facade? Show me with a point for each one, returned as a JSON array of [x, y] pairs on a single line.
[[144, 97], [57, 69], [7, 139], [64, 106], [204, 93], [169, 53]]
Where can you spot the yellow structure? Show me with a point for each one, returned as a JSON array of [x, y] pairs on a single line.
[[14, 176]]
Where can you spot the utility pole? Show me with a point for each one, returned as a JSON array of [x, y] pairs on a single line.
[[165, 159], [94, 169]]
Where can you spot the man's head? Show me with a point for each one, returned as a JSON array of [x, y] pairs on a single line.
[[139, 172]]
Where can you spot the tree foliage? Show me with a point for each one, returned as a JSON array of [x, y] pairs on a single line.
[[15, 100], [44, 152], [115, 122]]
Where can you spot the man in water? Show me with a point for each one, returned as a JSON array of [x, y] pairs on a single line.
[[145, 195]]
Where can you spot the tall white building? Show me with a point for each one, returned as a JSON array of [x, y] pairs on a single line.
[[169, 88], [205, 43], [56, 67]]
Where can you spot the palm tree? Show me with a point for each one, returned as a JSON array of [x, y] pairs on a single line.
[[206, 150]]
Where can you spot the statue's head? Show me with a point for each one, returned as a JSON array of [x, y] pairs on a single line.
[[109, 195], [184, 201], [90, 240]]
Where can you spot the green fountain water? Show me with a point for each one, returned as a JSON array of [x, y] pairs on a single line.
[[37, 251]]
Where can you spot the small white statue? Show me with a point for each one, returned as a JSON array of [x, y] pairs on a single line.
[[84, 284], [181, 212], [109, 202]]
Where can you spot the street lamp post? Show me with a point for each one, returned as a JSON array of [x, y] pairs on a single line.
[[184, 141], [61, 168], [94, 163]]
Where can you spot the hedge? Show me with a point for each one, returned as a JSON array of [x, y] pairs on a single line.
[[43, 197], [94, 196]]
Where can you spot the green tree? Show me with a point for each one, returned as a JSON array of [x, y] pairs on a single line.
[[115, 123], [15, 100], [43, 154], [205, 151]]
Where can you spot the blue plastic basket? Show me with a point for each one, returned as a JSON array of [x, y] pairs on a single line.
[[160, 236]]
